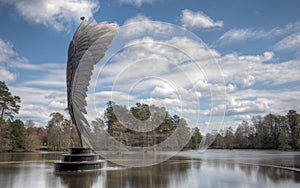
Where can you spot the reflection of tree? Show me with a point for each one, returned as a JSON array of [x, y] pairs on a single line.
[[248, 169], [275, 174], [83, 179], [262, 173], [154, 176], [8, 175]]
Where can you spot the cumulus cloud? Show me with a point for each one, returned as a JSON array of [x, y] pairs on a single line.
[[162, 72], [58, 105], [140, 24], [250, 70], [178, 73], [160, 92], [136, 3], [238, 107], [186, 80], [241, 69], [198, 20], [55, 14], [266, 101], [278, 74]]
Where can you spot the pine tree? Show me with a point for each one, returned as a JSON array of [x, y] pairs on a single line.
[[9, 104]]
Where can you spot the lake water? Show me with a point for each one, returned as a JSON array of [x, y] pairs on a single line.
[[213, 168]]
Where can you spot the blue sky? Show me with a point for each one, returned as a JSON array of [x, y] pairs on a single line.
[[255, 43]]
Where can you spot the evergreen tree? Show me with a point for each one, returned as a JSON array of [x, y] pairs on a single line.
[[5, 137], [18, 135], [196, 138], [9, 104], [293, 119]]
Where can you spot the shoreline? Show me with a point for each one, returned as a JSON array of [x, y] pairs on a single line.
[[181, 160]]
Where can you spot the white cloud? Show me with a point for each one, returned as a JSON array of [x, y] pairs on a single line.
[[179, 59], [140, 24], [7, 51], [51, 77], [58, 105], [10, 58], [161, 92], [244, 106], [241, 69], [136, 3], [162, 72], [37, 104], [53, 73], [238, 35], [55, 14], [245, 34], [178, 72], [289, 42], [6, 75], [250, 70], [190, 19], [279, 73], [274, 101], [37, 113]]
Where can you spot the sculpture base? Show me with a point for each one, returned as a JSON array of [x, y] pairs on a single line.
[[79, 159]]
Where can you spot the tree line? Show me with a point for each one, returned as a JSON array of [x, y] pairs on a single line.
[[123, 124], [16, 135], [269, 132], [131, 127], [59, 134]]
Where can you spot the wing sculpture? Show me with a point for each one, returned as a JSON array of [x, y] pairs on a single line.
[[87, 47]]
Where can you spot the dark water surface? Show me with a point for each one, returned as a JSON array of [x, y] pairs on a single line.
[[213, 168]]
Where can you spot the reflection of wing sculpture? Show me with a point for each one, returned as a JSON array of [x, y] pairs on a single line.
[[87, 47]]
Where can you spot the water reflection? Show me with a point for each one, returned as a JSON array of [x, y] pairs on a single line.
[[86, 179], [155, 176], [177, 172]]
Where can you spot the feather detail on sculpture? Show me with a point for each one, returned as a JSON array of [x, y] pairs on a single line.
[[88, 47]]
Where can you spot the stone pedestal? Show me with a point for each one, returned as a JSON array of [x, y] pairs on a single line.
[[79, 159]]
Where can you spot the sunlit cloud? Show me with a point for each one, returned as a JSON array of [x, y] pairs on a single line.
[[136, 3], [55, 14], [198, 20]]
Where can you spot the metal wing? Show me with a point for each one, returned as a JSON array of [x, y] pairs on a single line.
[[87, 47]]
